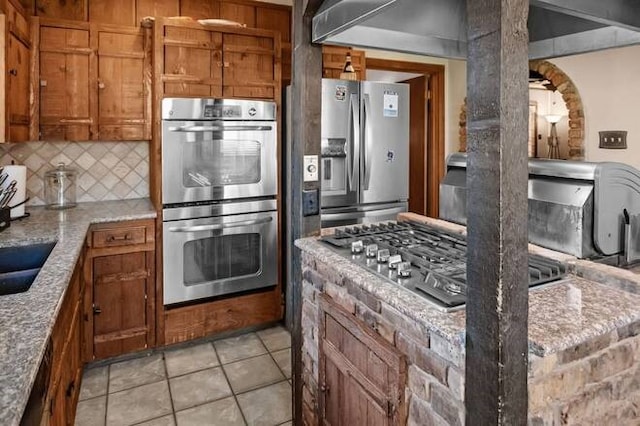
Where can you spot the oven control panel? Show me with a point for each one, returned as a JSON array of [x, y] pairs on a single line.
[[222, 111]]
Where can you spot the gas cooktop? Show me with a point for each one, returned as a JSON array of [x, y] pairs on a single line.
[[425, 259]]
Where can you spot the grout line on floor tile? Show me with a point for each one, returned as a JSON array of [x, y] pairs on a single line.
[[262, 387], [106, 401], [244, 419], [166, 372], [144, 384], [242, 359]]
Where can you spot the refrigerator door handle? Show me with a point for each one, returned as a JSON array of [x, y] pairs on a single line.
[[355, 139], [365, 146]]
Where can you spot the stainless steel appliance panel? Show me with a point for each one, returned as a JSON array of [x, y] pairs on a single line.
[[219, 255], [217, 109], [361, 214], [385, 142], [340, 144], [218, 160]]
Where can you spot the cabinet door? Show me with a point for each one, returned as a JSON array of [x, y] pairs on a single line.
[[18, 89], [74, 366], [361, 376], [122, 95], [64, 84], [58, 406], [120, 286], [192, 62], [249, 66]]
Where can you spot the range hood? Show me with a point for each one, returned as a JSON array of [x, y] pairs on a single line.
[[438, 27]]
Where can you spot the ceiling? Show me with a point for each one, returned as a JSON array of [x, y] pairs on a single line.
[[438, 27]]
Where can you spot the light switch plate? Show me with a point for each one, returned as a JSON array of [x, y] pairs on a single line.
[[311, 168], [613, 139]]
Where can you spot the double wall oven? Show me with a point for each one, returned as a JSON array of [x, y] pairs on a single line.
[[219, 183]]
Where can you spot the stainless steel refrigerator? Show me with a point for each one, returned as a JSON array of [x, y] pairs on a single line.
[[364, 167]]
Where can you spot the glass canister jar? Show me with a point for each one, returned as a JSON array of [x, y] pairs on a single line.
[[60, 187]]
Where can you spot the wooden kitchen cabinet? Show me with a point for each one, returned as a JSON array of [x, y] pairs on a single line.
[[220, 61], [65, 61], [15, 56], [94, 82], [123, 83], [66, 365], [361, 376], [119, 299], [62, 9]]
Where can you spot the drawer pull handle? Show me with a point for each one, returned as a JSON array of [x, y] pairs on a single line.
[[125, 237], [96, 310]]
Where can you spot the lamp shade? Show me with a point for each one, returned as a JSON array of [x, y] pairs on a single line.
[[553, 118]]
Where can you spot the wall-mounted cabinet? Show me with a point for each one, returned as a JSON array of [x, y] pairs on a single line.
[[220, 61], [93, 82], [15, 56]]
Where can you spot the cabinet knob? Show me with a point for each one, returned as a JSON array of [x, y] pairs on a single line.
[[101, 85], [13, 72], [96, 310]]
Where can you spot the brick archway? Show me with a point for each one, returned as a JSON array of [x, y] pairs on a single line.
[[571, 97]]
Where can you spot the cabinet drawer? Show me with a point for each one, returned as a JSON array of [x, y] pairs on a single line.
[[119, 237]]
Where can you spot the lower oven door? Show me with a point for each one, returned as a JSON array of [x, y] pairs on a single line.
[[219, 255]]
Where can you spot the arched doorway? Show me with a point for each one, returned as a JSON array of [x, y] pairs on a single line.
[[571, 97]]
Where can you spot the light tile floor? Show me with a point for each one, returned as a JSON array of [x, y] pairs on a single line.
[[242, 380]]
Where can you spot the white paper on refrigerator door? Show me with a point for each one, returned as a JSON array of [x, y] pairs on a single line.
[[390, 101]]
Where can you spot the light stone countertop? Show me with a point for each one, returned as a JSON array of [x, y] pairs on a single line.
[[561, 314], [27, 319]]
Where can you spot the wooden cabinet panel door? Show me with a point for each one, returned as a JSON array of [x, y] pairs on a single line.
[[361, 376], [242, 13], [120, 286], [18, 89], [64, 84], [62, 9], [159, 8], [122, 95], [192, 62], [200, 9], [117, 12], [249, 66]]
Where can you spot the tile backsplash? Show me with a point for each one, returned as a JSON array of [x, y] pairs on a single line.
[[106, 170]]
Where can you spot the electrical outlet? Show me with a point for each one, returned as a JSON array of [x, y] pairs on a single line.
[[310, 203], [613, 139]]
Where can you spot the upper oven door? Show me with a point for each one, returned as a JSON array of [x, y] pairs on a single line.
[[218, 160]]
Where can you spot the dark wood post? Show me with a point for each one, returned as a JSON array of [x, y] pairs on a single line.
[[497, 300], [305, 107]]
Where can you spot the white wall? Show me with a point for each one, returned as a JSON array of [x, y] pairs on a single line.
[[455, 75], [608, 82]]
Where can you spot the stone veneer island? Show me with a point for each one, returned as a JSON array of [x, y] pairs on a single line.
[[584, 341]]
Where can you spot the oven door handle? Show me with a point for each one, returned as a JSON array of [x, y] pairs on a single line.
[[219, 128], [218, 226]]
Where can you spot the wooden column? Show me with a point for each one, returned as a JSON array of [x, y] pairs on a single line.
[[305, 140], [497, 297]]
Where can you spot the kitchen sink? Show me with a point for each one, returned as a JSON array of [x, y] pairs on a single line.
[[20, 265]]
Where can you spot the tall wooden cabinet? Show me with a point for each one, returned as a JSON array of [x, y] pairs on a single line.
[[361, 376], [119, 301]]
